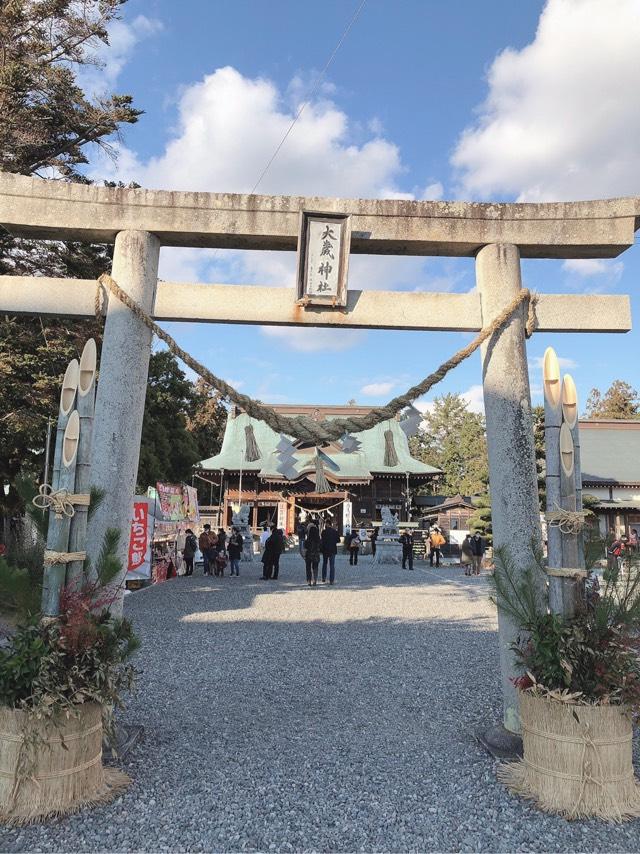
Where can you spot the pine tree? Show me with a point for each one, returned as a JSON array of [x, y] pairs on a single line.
[[480, 519], [453, 439], [620, 401], [48, 123]]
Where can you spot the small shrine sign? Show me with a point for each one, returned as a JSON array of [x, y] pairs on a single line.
[[324, 242]]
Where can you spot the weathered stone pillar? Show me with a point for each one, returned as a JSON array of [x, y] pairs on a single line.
[[122, 386], [512, 467]]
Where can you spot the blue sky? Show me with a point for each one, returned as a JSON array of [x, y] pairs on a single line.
[[494, 100]]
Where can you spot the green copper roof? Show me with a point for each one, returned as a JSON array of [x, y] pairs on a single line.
[[360, 465]]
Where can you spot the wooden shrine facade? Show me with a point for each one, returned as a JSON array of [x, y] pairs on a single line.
[[361, 484]]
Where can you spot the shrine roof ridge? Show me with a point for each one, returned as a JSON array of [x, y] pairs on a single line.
[[37, 207]]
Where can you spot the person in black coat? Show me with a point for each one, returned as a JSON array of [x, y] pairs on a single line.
[[312, 554], [329, 540], [407, 549], [234, 550], [271, 554], [278, 550], [478, 548]]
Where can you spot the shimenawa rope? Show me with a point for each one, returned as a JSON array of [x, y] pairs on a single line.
[[300, 426]]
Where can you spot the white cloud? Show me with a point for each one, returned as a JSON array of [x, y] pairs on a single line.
[[564, 362], [228, 127], [378, 389], [433, 192], [601, 273], [562, 117], [311, 340], [123, 38], [474, 398]]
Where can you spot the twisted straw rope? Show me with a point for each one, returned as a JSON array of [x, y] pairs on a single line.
[[302, 427]]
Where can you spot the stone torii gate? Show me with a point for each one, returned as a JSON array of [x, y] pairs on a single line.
[[140, 221]]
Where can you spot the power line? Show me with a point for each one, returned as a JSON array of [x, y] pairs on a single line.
[[314, 89]]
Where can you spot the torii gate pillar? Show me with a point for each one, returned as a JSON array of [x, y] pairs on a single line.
[[512, 466], [122, 385]]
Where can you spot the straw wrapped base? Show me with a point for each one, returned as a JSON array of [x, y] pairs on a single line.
[[61, 781], [575, 768]]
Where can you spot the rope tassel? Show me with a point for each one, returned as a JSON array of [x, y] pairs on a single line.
[[390, 455], [252, 451], [322, 484]]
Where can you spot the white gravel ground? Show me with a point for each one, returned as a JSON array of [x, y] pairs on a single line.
[[284, 718]]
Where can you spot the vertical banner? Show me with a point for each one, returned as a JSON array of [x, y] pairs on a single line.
[[282, 515], [190, 498], [171, 501], [347, 516], [139, 562]]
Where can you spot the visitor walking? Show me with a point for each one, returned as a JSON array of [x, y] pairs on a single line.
[[374, 541], [264, 536], [329, 540], [234, 550], [207, 542], [466, 558], [478, 548], [189, 551], [270, 553], [222, 540], [354, 549], [278, 549], [312, 554], [436, 540], [407, 549]]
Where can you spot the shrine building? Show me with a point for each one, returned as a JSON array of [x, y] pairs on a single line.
[[360, 482]]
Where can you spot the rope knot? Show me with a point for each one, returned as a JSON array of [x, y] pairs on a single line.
[[57, 500]]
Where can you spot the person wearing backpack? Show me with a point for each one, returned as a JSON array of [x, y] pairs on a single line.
[[189, 551]]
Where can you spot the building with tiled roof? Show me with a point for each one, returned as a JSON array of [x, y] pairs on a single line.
[[360, 483], [610, 463]]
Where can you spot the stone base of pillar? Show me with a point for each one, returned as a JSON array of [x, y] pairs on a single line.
[[390, 552], [500, 743]]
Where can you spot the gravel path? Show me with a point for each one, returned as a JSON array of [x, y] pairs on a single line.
[[284, 718]]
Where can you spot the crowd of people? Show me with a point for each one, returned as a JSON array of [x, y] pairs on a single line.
[[318, 546]]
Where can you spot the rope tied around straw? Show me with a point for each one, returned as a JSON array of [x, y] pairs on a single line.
[[61, 501], [52, 557], [568, 521], [302, 427]]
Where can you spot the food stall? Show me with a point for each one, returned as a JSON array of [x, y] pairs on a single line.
[[160, 520]]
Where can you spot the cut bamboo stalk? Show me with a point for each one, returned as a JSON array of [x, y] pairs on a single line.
[[58, 533], [67, 400], [552, 423], [85, 407], [570, 557], [570, 413]]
